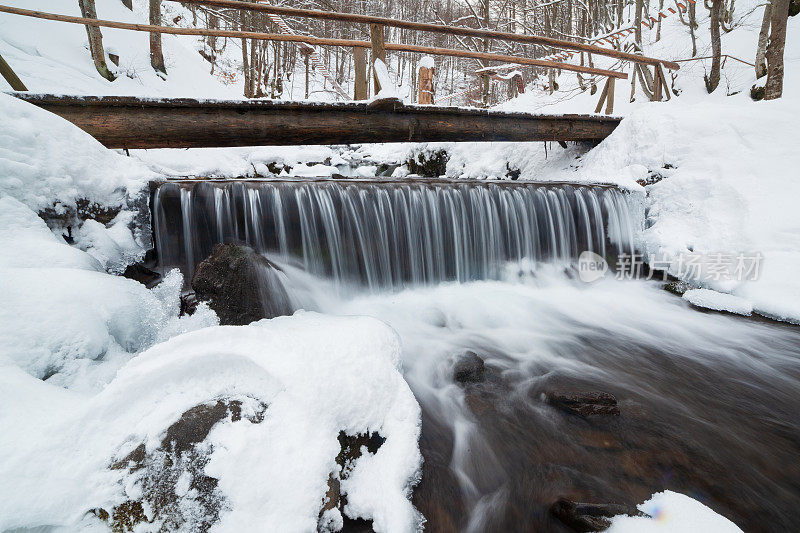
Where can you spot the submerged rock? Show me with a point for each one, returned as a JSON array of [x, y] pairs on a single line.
[[469, 368], [240, 285], [584, 403], [587, 517]]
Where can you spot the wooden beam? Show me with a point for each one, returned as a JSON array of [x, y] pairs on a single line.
[[130, 122], [436, 28], [319, 41], [10, 76]]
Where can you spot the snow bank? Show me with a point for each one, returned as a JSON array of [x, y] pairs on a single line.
[[726, 187], [27, 242], [316, 375], [65, 319], [47, 161], [672, 512], [718, 301], [236, 162]]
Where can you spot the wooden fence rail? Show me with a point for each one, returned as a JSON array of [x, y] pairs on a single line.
[[310, 40], [436, 28]]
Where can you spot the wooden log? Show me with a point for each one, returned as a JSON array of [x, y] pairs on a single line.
[[436, 28], [130, 122], [378, 49], [360, 85], [319, 41], [11, 76]]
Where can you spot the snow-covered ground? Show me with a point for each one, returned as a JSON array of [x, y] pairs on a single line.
[[92, 364]]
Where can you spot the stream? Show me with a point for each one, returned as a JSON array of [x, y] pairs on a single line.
[[707, 402]]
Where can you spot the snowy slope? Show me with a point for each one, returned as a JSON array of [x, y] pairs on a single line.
[[51, 56]]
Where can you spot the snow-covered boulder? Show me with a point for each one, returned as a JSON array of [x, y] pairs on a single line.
[[258, 409]]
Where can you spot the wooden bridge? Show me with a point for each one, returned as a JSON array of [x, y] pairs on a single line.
[[130, 122]]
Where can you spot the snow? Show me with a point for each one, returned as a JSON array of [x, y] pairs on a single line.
[[425, 62], [27, 242], [50, 56], [46, 161], [388, 88], [672, 512], [318, 375], [718, 301]]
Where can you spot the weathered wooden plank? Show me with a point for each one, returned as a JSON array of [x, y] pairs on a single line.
[[129, 122]]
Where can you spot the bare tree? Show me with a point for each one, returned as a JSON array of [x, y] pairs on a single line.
[[777, 41], [763, 38], [156, 50], [712, 79], [95, 40]]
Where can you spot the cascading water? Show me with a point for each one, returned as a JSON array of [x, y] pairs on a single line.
[[392, 234], [446, 265]]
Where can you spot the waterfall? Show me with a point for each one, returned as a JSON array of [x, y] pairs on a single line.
[[392, 234]]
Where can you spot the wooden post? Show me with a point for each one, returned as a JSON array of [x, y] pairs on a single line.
[[610, 96], [378, 50], [603, 95], [10, 76], [425, 86], [656, 85], [360, 86], [305, 59], [662, 82]]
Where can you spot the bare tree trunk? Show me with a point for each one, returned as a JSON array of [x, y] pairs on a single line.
[[712, 80], [658, 30], [637, 23], [763, 37], [95, 40], [777, 41], [156, 50]]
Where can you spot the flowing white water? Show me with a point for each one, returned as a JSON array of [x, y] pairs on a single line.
[[708, 401], [389, 235]]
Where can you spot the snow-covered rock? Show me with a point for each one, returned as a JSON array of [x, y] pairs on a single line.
[[718, 301], [672, 512], [316, 375]]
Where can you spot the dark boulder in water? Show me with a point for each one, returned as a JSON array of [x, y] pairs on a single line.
[[586, 517], [240, 285], [584, 403], [469, 368]]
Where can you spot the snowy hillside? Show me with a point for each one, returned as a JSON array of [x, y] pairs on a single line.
[[54, 57]]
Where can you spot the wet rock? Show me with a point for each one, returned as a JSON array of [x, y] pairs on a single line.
[[351, 448], [678, 287], [142, 274], [428, 163], [240, 285], [182, 455], [469, 368], [587, 517], [189, 303], [584, 403]]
